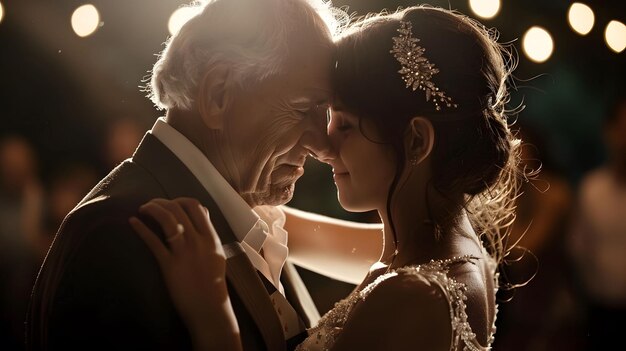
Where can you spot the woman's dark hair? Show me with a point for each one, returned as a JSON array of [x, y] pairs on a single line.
[[475, 156]]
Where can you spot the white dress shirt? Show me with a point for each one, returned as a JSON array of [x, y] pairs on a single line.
[[249, 226]]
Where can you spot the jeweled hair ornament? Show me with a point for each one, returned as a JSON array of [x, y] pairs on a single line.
[[416, 70]]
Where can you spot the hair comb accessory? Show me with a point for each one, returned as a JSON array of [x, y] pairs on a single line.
[[416, 70]]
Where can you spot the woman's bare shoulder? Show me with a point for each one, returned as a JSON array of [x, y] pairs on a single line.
[[409, 310]]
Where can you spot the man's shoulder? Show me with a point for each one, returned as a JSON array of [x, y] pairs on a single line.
[[103, 281], [127, 180], [119, 192], [96, 252], [100, 213], [100, 221], [97, 227]]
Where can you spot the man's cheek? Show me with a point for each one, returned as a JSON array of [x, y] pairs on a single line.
[[288, 140], [261, 171]]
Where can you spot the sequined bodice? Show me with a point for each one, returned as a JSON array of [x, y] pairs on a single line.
[[324, 335]]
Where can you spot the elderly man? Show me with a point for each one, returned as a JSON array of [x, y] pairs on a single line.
[[245, 84]]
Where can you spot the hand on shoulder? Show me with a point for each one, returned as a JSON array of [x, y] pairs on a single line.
[[193, 264]]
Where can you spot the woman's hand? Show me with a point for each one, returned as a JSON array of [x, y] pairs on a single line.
[[193, 264]]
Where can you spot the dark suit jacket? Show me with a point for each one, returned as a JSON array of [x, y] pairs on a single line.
[[100, 288]]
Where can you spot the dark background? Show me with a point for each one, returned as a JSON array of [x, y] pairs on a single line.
[[63, 93]]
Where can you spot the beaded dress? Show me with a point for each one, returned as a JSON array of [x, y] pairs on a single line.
[[324, 335]]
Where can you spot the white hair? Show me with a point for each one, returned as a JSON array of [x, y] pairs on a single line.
[[250, 36]]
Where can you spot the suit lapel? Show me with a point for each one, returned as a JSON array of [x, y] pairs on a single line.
[[298, 295], [245, 280]]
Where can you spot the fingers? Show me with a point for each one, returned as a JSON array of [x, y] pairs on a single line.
[[151, 239], [185, 222], [200, 218], [175, 223], [198, 214], [178, 212]]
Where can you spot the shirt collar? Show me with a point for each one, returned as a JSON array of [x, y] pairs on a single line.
[[245, 223]]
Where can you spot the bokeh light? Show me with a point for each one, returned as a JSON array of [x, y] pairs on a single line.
[[85, 20], [485, 8], [1, 12], [538, 44], [179, 18], [580, 18], [615, 36]]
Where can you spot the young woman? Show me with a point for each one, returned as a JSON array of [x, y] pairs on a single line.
[[421, 135]]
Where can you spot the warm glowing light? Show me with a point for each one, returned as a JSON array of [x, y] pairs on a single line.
[[538, 44], [1, 12], [179, 18], [581, 18], [615, 36], [485, 8], [85, 20]]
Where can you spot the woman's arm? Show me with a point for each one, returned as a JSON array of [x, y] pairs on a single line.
[[194, 268], [338, 249]]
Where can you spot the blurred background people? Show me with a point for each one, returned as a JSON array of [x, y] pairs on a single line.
[[21, 212], [32, 208], [121, 137], [67, 186], [598, 236], [543, 313]]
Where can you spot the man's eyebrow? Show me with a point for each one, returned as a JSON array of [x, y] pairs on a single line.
[[312, 96], [308, 101], [300, 101]]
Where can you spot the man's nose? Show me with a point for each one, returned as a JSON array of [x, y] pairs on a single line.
[[326, 155], [319, 146], [318, 143]]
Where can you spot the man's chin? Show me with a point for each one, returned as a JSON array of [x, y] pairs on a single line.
[[281, 194], [276, 195]]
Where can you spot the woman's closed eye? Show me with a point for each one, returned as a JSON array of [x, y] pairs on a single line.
[[343, 125]]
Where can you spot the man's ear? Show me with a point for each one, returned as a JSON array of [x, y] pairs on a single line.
[[214, 95], [419, 140]]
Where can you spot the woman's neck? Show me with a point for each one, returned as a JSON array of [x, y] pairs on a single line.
[[417, 240], [411, 236]]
